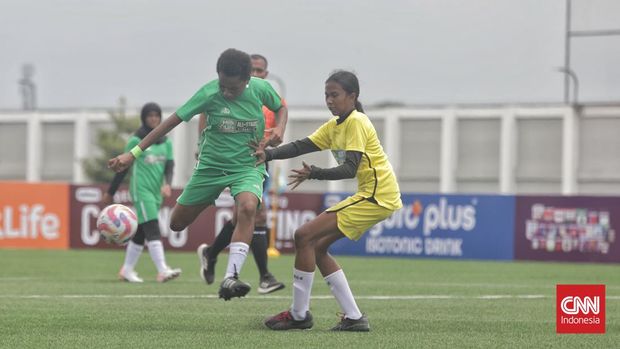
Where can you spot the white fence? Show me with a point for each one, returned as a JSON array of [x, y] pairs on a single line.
[[512, 149]]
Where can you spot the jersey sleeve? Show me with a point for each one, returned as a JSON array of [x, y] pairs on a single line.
[[132, 142], [269, 97], [357, 136], [193, 106], [320, 137]]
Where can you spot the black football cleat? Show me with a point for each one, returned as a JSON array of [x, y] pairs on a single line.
[[284, 321]]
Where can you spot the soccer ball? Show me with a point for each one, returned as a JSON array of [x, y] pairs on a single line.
[[117, 224]]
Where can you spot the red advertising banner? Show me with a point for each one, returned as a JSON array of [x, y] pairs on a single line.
[[565, 228], [294, 210], [34, 215], [85, 208]]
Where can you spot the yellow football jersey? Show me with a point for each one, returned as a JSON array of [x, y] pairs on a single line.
[[375, 176]]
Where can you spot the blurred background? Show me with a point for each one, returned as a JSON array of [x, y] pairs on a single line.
[[499, 117], [479, 96], [87, 54]]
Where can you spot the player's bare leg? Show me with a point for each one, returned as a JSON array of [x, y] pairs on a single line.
[[183, 215], [306, 238], [352, 319]]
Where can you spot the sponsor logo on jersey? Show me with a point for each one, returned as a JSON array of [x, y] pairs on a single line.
[[237, 126]]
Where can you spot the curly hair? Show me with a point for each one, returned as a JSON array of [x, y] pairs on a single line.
[[235, 63]]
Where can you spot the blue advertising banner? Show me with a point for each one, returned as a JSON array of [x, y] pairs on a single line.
[[439, 226]]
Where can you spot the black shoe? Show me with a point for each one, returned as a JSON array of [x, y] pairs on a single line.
[[233, 287], [284, 321], [268, 284], [359, 325], [207, 264]]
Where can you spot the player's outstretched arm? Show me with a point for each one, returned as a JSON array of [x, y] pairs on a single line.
[[125, 160], [346, 170], [289, 150]]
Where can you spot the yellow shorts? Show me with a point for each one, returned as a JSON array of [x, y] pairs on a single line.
[[355, 215]]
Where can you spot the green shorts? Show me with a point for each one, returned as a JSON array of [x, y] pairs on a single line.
[[206, 185], [147, 210]]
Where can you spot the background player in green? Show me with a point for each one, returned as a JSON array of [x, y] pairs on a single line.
[[233, 105], [151, 176], [208, 254]]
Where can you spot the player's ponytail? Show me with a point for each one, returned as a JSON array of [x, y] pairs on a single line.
[[348, 81], [358, 106]]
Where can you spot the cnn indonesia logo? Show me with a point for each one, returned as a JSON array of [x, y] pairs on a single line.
[[580, 308]]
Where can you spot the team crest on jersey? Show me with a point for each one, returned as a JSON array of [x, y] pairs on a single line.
[[340, 156]]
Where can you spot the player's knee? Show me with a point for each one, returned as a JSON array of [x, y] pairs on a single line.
[[303, 237], [246, 209], [177, 225], [177, 219]]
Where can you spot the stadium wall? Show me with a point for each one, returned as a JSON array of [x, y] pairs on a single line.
[[489, 227], [512, 149]]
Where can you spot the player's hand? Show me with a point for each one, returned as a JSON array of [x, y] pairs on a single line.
[[275, 136], [107, 199], [298, 176], [166, 191], [121, 162], [259, 151]]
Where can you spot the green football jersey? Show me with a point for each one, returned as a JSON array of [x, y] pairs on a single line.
[[231, 124], [147, 172]]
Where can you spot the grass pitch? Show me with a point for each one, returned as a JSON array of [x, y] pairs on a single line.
[[71, 299]]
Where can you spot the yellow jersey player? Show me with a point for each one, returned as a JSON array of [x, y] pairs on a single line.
[[353, 140]]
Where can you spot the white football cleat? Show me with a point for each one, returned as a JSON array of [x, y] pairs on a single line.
[[168, 274], [129, 276]]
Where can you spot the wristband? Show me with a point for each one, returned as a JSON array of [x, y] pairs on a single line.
[[136, 151]]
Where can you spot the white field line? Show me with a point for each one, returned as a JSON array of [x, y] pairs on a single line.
[[413, 283], [321, 297]]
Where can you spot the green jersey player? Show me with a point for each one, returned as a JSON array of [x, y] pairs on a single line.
[[151, 176], [233, 104]]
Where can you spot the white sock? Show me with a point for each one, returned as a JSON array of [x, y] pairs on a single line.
[[339, 286], [132, 254], [236, 257], [156, 250], [302, 288]]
